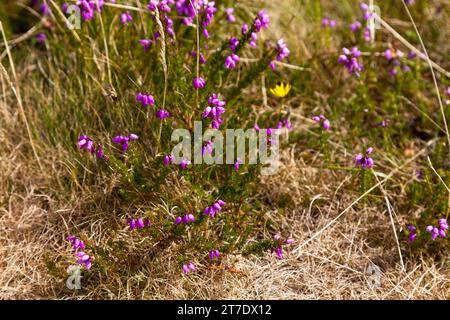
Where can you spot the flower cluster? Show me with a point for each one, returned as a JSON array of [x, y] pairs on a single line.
[[145, 99], [125, 18], [189, 9], [86, 143], [321, 119], [79, 248], [89, 7], [230, 15], [364, 161], [412, 233], [138, 223], [261, 21], [237, 164], [278, 245], [162, 114], [355, 26], [169, 159], [188, 267], [349, 59], [214, 110], [214, 208], [233, 43], [124, 141], [282, 52], [284, 123], [207, 147], [202, 58], [199, 83], [188, 217], [146, 44], [393, 57], [214, 254], [328, 23], [231, 60], [440, 231]]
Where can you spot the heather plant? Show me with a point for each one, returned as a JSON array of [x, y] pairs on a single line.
[[353, 114]]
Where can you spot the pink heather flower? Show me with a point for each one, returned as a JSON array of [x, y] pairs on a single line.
[[169, 159], [354, 27], [76, 243], [230, 61], [321, 119], [434, 232], [388, 54], [350, 60], [412, 55], [412, 233], [199, 83], [146, 44], [84, 259], [145, 99], [207, 147], [44, 9], [125, 140], [278, 243], [443, 224], [393, 72], [214, 208], [86, 143], [185, 219], [162, 5], [202, 58], [64, 7], [233, 43], [256, 127], [189, 267], [282, 49], [230, 15], [162, 114], [237, 164], [214, 110], [78, 248], [214, 254], [184, 164], [41, 37], [245, 29], [253, 39], [284, 123], [138, 223], [328, 23], [261, 21], [364, 161], [440, 231], [125, 18]]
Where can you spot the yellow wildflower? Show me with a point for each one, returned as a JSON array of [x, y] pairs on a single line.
[[281, 90]]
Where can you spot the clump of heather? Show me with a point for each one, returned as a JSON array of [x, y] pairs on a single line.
[[79, 251], [350, 59], [86, 143], [188, 267], [139, 223], [124, 141], [279, 242], [213, 209], [186, 219], [321, 119], [364, 161]]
